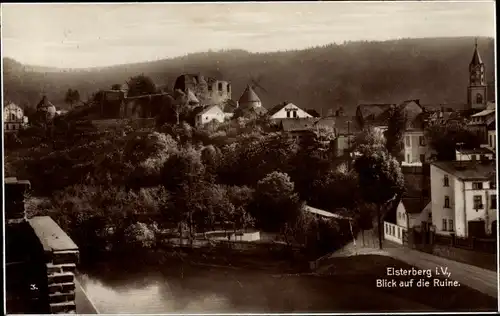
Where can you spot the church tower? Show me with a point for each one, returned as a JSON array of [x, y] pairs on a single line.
[[476, 91]]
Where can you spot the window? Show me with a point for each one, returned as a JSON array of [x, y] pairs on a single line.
[[210, 87], [493, 204], [408, 158], [450, 225], [422, 158], [446, 181], [220, 86], [444, 225], [421, 140], [493, 185], [477, 185], [478, 202], [7, 127], [295, 113], [446, 201], [473, 157], [479, 98], [13, 117], [386, 229], [288, 114], [491, 140], [407, 141], [399, 232], [228, 87]]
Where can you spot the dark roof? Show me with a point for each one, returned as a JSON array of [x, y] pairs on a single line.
[[415, 205], [476, 58], [373, 111], [476, 151], [345, 125], [276, 108], [44, 102], [297, 124], [249, 96], [313, 112], [468, 170]]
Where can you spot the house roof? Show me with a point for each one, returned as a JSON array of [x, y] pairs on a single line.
[[345, 125], [249, 96], [468, 170], [323, 213], [372, 111], [275, 109], [483, 113], [414, 205], [477, 151], [297, 124], [208, 108]]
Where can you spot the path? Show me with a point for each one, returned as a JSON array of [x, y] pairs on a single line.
[[474, 277]]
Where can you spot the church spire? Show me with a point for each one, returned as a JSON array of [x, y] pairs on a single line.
[[476, 58]]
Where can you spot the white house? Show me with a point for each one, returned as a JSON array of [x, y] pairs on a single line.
[[209, 114], [413, 211], [464, 198], [287, 110], [13, 118], [476, 154]]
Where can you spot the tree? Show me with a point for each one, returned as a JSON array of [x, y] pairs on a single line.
[[380, 179], [370, 137], [396, 127], [140, 85], [72, 97], [182, 174], [276, 203], [443, 139]]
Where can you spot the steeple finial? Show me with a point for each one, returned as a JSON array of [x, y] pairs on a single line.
[[475, 42]]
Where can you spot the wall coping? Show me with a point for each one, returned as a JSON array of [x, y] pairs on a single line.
[[51, 236]]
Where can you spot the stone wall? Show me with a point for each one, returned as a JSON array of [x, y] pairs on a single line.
[[40, 256]]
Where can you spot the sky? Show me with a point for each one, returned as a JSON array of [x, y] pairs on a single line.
[[94, 35]]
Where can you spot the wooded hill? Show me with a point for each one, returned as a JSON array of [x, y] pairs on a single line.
[[434, 70]]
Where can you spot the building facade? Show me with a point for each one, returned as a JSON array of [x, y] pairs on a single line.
[[209, 114], [208, 90], [13, 118], [249, 99], [464, 198]]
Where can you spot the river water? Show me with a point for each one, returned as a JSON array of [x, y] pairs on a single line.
[[185, 288]]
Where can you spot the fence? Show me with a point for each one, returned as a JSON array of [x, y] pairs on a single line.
[[471, 243], [394, 232]]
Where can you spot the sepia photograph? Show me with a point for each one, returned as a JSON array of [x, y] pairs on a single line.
[[249, 157]]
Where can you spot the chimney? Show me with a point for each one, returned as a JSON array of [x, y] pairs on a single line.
[[15, 191]]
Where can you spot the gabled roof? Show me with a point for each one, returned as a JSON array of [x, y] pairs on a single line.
[[208, 108], [372, 111], [415, 205], [275, 109], [249, 96]]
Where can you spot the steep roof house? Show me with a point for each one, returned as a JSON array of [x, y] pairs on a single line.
[[208, 114], [287, 110]]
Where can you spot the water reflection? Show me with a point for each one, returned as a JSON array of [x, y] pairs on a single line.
[[194, 289]]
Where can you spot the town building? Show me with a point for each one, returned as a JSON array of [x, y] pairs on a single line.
[[13, 118], [483, 121], [287, 110], [477, 88], [208, 114], [249, 99], [463, 194], [345, 129]]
